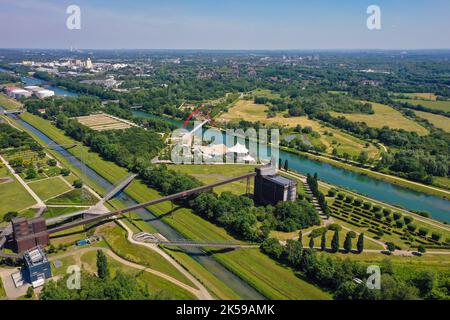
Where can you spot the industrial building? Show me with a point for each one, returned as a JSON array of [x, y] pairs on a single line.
[[36, 267], [28, 234], [271, 188]]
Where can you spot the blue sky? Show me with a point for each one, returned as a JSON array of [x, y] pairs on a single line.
[[225, 24]]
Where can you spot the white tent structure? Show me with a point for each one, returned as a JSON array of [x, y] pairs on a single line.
[[239, 149]]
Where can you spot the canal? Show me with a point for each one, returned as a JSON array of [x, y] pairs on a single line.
[[439, 208], [209, 263]]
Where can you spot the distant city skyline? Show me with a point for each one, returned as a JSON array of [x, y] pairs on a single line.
[[225, 24]]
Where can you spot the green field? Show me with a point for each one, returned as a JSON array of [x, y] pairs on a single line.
[[52, 212], [8, 103], [435, 105], [14, 197], [49, 188], [436, 120], [116, 238], [215, 173], [269, 277], [74, 197], [384, 116], [155, 284]]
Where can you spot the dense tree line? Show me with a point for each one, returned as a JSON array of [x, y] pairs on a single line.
[[313, 183], [338, 275]]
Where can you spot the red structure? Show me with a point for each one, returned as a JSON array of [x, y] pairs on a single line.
[[28, 234]]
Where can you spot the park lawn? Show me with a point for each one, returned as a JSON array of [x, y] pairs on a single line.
[[14, 197], [273, 280], [80, 196], [65, 263], [116, 238], [384, 116], [215, 173], [435, 105], [436, 120], [49, 188], [52, 212], [9, 103], [190, 225], [156, 285], [265, 93]]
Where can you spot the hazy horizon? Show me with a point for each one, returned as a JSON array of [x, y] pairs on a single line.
[[251, 25]]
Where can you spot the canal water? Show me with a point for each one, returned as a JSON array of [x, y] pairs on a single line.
[[208, 262], [30, 81], [439, 208]]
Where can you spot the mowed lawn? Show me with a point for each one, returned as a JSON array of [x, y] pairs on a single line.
[[436, 120], [385, 116], [8, 103], [13, 196], [435, 105], [215, 173], [49, 188]]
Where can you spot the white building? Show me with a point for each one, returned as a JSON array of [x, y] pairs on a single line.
[[44, 93]]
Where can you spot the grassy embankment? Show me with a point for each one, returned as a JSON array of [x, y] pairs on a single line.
[[435, 105], [267, 276], [8, 103]]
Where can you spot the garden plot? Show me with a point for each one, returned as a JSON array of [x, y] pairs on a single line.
[[102, 121]]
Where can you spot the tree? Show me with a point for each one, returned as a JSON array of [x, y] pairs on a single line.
[[311, 242], [286, 165], [421, 248], [78, 184], [390, 246], [294, 252], [8, 217], [363, 157], [348, 242], [31, 173], [30, 292], [335, 242], [360, 243], [65, 172], [102, 265], [323, 241], [51, 162], [300, 236]]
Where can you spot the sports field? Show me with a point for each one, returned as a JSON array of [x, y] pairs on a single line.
[[385, 116], [102, 121], [436, 120]]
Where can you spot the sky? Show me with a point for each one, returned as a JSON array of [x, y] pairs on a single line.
[[225, 24]]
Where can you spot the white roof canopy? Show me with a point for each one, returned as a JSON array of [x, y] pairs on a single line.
[[238, 148]]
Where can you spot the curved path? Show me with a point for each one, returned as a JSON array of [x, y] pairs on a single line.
[[202, 293], [198, 293]]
